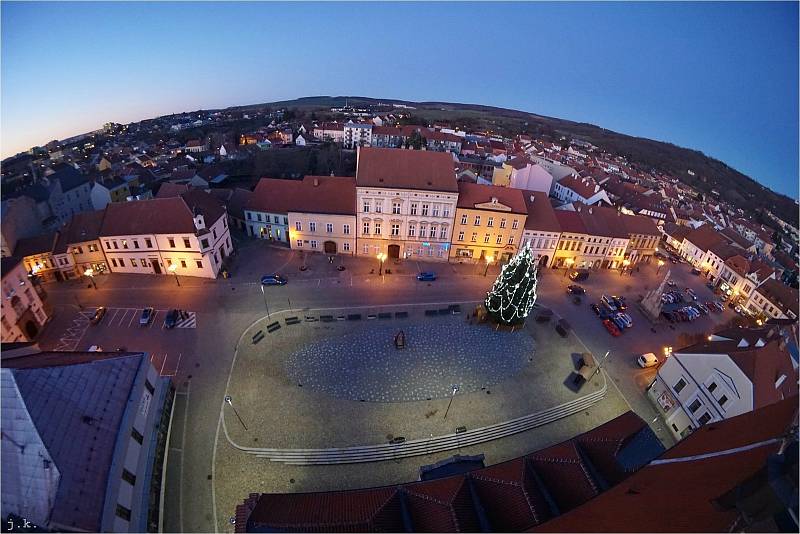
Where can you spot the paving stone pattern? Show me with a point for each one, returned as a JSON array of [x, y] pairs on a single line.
[[365, 365]]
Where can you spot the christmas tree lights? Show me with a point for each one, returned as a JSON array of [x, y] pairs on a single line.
[[514, 291]]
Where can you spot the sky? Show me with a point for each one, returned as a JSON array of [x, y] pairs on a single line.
[[718, 77]]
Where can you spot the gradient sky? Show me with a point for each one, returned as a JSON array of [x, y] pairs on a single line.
[[718, 77]]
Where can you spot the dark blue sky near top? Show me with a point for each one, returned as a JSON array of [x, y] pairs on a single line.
[[717, 77]]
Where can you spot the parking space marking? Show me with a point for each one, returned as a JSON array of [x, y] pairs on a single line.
[[116, 311], [189, 322], [172, 372], [153, 319], [133, 316]]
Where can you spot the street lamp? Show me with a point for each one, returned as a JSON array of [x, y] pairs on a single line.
[[173, 268], [489, 260], [265, 300], [381, 259], [90, 274], [667, 352], [229, 400], [452, 396], [568, 262], [660, 265]]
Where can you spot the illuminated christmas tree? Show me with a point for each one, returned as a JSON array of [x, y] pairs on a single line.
[[514, 292]]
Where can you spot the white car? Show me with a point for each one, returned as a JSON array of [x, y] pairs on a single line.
[[647, 360], [95, 348]]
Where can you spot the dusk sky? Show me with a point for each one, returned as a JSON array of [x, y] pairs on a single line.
[[721, 78]]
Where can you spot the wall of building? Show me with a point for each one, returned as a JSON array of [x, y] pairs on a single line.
[[266, 225], [412, 217], [309, 232], [22, 303], [542, 244], [481, 233]]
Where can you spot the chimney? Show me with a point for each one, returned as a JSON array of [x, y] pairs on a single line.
[[533, 198], [199, 222], [590, 211], [316, 182], [494, 200]]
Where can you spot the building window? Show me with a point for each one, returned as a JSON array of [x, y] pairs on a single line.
[[680, 385], [396, 208], [705, 418], [695, 405], [113, 262], [515, 224], [413, 208], [148, 243], [199, 264], [502, 223], [474, 236], [722, 400], [490, 222], [461, 236], [123, 513], [137, 436], [442, 233], [298, 226], [276, 219], [186, 243], [258, 216], [313, 244], [286, 221], [125, 243], [365, 230], [108, 245], [312, 227], [446, 212], [395, 229], [299, 243], [121, 262], [378, 206], [424, 210], [366, 206], [249, 216], [128, 477], [712, 386], [377, 228], [115, 245], [346, 229], [171, 242], [183, 263], [133, 262], [346, 247], [486, 238], [204, 243], [436, 210], [464, 218], [499, 239], [366, 249], [477, 221], [329, 228]]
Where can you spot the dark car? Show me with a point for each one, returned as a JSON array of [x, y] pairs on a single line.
[[562, 327], [595, 308], [273, 280], [98, 315], [427, 276], [695, 271], [619, 302], [579, 275], [576, 290], [146, 317], [171, 319]]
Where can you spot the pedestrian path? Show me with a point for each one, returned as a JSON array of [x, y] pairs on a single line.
[[75, 332], [190, 321]]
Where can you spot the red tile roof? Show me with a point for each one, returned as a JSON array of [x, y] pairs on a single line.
[[570, 221], [585, 187], [82, 227], [738, 264], [541, 215], [681, 496], [161, 215], [169, 189], [471, 194], [325, 194], [780, 295], [704, 237], [406, 169]]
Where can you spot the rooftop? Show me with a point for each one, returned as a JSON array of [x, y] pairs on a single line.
[[470, 195], [405, 169]]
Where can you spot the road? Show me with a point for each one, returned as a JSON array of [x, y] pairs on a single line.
[[198, 358]]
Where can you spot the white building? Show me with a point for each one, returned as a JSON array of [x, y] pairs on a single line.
[[357, 134], [323, 215], [189, 231], [542, 230], [24, 304], [530, 176], [573, 188], [733, 372], [400, 192]]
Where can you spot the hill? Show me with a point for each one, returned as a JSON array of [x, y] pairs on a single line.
[[709, 173]]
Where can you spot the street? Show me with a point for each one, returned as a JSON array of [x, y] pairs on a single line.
[[199, 356]]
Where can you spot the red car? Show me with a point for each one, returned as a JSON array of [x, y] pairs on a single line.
[[612, 328]]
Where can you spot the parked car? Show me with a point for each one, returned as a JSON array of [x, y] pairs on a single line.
[[647, 360], [608, 301], [562, 327], [95, 348], [703, 309], [576, 290], [611, 327], [619, 322], [147, 316], [579, 275], [710, 285], [619, 302], [426, 276], [273, 280], [171, 319], [695, 271], [671, 283], [595, 308], [98, 315]]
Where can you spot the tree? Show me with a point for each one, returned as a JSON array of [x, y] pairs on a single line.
[[514, 291]]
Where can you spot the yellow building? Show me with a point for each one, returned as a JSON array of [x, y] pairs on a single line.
[[501, 176], [489, 223]]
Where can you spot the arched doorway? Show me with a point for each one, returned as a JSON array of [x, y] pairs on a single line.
[[329, 247], [394, 251], [543, 261], [31, 329]]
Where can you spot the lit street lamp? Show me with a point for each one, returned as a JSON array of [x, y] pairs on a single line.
[[667, 352], [381, 259], [90, 274], [660, 265], [229, 400], [265, 300], [174, 270], [489, 260], [452, 396], [625, 264], [568, 262]]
